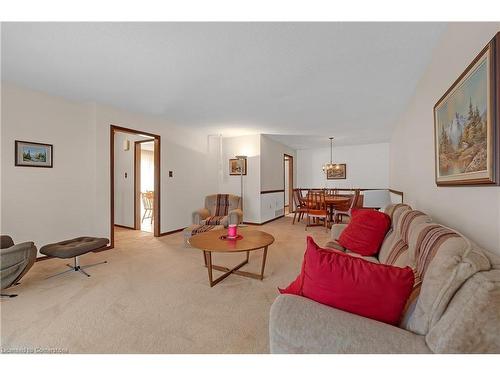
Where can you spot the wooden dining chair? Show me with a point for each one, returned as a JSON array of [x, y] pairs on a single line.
[[331, 191], [346, 209], [300, 205], [148, 203], [316, 209]]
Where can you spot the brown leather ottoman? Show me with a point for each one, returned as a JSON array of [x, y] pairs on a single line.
[[73, 249]]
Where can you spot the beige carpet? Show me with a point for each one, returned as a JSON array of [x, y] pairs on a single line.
[[152, 297]]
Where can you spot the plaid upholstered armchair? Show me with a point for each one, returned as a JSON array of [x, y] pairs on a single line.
[[220, 209]]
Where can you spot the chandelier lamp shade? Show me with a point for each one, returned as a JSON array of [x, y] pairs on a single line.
[[330, 166]]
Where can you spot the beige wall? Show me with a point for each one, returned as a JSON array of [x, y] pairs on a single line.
[[475, 211], [73, 198], [248, 145], [47, 205], [367, 166]]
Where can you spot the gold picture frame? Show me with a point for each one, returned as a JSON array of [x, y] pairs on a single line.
[[339, 173], [466, 118], [234, 167]]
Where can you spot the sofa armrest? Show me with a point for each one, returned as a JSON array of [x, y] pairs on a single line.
[[200, 215], [336, 230], [299, 325], [235, 216]]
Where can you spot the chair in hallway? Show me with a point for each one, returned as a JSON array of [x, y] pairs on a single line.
[[147, 202], [317, 209], [15, 261], [346, 209]]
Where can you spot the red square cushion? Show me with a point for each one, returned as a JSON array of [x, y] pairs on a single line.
[[333, 278], [365, 232]]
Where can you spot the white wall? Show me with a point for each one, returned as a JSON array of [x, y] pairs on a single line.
[[124, 186], [367, 166], [272, 177], [73, 198], [248, 145], [47, 205], [272, 167], [475, 211], [287, 182]]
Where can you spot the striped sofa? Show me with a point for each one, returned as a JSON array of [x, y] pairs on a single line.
[[454, 306], [220, 209]]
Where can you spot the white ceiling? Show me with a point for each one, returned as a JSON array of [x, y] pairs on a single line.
[[348, 80]]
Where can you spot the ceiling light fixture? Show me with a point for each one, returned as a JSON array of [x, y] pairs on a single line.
[[330, 166]]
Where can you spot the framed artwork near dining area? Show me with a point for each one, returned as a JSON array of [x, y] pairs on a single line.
[[337, 173]]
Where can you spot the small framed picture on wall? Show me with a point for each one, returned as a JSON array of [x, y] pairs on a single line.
[[237, 167], [33, 154], [337, 173]]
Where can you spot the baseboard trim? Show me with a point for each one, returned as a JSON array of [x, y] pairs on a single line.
[[124, 226], [43, 257], [171, 232], [272, 191], [265, 222]]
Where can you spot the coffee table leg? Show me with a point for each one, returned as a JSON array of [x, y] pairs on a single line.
[[208, 258], [264, 256], [205, 258]]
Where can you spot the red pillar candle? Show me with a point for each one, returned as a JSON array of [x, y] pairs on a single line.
[[232, 230]]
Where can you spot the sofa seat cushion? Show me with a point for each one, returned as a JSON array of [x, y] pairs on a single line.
[[336, 279], [365, 231], [299, 325], [356, 255], [471, 322]]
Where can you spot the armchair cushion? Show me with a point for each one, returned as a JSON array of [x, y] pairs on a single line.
[[200, 215], [220, 209], [6, 241], [215, 220], [235, 216], [15, 261]]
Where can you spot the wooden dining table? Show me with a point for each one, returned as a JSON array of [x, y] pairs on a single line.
[[334, 202]]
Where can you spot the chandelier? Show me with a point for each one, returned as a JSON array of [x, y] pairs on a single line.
[[330, 166]]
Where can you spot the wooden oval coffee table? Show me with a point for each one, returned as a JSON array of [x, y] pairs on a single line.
[[210, 242]]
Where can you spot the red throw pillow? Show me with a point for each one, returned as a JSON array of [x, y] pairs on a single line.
[[365, 232], [372, 290]]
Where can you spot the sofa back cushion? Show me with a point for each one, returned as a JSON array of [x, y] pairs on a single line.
[[442, 261], [394, 211], [471, 322], [397, 252]]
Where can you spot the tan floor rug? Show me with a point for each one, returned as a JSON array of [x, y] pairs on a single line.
[[152, 297]]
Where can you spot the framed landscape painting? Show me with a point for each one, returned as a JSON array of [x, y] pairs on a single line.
[[466, 121], [338, 173], [235, 167], [32, 154]]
